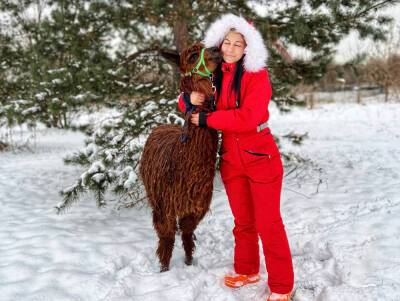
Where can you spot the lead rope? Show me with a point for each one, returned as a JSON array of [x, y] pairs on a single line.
[[185, 129], [188, 113]]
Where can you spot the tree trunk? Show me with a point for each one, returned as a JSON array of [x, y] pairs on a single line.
[[386, 93], [3, 145], [181, 35], [64, 114], [358, 95], [311, 100], [54, 121]]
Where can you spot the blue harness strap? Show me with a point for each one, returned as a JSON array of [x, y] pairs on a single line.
[[189, 107]]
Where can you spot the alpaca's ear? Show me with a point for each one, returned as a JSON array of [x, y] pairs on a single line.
[[171, 55]]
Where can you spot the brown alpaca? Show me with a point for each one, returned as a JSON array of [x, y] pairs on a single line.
[[178, 174]]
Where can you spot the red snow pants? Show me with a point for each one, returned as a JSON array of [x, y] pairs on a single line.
[[252, 172]]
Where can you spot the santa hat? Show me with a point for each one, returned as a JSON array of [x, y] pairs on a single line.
[[256, 52]]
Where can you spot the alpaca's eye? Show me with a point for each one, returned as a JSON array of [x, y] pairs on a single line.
[[193, 57]]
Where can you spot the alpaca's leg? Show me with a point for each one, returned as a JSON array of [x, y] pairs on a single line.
[[166, 233], [187, 225], [164, 251]]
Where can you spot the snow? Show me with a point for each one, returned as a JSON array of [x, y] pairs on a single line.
[[30, 110], [98, 177], [79, 97], [117, 139], [41, 96], [131, 180], [143, 114], [57, 81], [340, 211], [97, 166], [57, 70], [122, 84]]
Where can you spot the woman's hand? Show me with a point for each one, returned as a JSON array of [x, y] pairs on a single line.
[[197, 98], [195, 119]]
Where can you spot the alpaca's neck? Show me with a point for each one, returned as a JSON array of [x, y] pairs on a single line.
[[208, 104], [205, 140]]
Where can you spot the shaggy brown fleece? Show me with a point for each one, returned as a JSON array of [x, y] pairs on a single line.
[[178, 177]]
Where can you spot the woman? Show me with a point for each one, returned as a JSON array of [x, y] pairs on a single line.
[[251, 167]]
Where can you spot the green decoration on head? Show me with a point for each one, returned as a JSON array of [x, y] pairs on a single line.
[[199, 63]]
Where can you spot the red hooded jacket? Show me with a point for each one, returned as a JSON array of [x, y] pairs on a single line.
[[254, 99]]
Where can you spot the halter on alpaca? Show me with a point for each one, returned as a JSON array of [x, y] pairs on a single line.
[[197, 68]]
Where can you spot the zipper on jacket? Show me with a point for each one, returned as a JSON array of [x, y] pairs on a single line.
[[257, 154]]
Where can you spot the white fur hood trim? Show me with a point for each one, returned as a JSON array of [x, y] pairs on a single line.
[[256, 52]]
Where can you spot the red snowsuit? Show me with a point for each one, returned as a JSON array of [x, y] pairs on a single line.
[[252, 171]]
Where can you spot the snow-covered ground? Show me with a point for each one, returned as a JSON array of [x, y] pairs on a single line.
[[341, 215]]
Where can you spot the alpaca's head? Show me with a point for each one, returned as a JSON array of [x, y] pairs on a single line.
[[190, 59], [196, 64]]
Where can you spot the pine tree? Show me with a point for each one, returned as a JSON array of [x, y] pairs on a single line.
[[64, 64], [58, 63]]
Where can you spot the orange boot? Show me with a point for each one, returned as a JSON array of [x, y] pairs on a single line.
[[234, 280]]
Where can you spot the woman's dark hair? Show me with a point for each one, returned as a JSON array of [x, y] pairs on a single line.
[[237, 79]]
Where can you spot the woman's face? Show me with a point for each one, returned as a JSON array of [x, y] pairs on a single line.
[[233, 47]]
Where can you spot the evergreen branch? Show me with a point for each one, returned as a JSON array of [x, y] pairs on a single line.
[[375, 6], [130, 198], [133, 56], [126, 143], [71, 195], [100, 197]]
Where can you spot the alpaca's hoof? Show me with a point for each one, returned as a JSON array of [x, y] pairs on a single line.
[[164, 269], [189, 261]]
